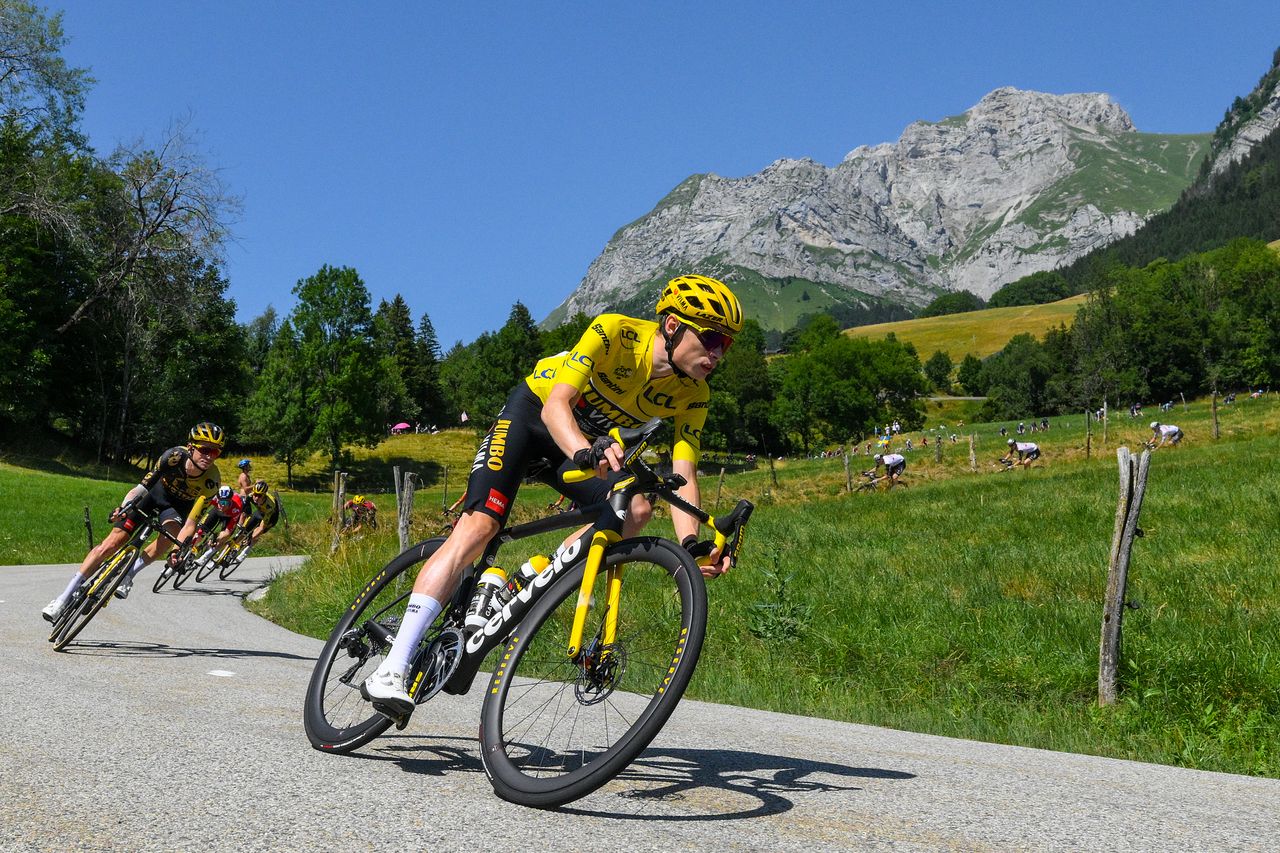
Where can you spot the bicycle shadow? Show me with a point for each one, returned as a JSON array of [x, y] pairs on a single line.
[[138, 649], [667, 776]]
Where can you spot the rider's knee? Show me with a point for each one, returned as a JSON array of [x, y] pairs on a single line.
[[641, 512]]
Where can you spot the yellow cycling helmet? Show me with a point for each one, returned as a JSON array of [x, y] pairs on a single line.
[[357, 499], [259, 488], [207, 433], [704, 302]]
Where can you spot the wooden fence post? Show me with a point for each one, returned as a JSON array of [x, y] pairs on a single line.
[[395, 487], [973, 457], [339, 498], [1133, 486], [444, 492], [1088, 434], [406, 509], [773, 474], [1105, 419], [848, 477], [937, 450], [1215, 415], [719, 487]]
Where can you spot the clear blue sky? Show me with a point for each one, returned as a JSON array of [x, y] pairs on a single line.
[[468, 155]]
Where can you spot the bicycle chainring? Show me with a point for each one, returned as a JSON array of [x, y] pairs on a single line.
[[439, 662]]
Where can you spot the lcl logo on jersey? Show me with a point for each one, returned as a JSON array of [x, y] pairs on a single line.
[[583, 359], [658, 398], [630, 340]]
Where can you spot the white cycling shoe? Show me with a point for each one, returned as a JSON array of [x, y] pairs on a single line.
[[125, 587], [386, 690], [53, 610]]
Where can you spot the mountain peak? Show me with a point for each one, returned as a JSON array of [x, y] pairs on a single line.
[[1021, 182]]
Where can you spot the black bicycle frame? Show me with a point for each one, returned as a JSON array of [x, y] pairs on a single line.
[[608, 515]]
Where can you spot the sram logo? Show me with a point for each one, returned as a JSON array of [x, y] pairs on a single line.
[[545, 577]]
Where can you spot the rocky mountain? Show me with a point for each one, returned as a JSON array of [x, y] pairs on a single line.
[[1249, 121], [1021, 182]]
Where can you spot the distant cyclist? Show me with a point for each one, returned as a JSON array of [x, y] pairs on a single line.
[[364, 513], [183, 479], [894, 464], [1166, 433], [1026, 451], [264, 513], [223, 515], [244, 480]]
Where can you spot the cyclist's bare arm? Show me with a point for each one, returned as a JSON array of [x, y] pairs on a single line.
[[686, 525]]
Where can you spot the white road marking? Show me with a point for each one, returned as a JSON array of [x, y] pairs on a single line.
[[221, 673]]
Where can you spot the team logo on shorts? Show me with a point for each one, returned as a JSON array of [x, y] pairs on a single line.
[[497, 502]]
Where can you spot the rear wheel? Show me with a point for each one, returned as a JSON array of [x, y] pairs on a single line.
[[554, 729], [185, 569], [205, 565], [97, 592], [335, 715], [230, 558]]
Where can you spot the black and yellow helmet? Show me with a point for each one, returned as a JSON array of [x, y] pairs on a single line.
[[259, 487], [207, 433], [704, 302]]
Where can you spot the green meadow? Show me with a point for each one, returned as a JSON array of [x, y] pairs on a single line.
[[967, 605]]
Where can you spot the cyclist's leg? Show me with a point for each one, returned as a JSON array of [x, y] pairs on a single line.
[[491, 490]]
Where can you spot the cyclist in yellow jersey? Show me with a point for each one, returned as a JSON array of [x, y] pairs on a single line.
[[622, 372]]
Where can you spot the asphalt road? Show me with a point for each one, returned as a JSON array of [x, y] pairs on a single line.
[[174, 722]]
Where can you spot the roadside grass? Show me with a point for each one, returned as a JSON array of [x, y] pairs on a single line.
[[42, 516], [968, 605]]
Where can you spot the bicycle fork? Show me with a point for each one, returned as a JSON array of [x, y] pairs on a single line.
[[600, 540]]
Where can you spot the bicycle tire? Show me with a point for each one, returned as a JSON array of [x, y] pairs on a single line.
[[165, 573], [184, 571], [532, 756], [99, 589], [205, 569], [229, 560], [336, 717]]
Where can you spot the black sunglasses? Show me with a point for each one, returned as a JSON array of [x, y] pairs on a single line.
[[711, 339]]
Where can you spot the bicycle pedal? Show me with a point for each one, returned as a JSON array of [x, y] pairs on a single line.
[[394, 714]]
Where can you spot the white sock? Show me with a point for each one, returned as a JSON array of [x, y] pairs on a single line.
[[72, 586], [139, 563], [421, 612]]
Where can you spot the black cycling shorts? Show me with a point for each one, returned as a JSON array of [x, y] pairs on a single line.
[[517, 440], [894, 470], [1033, 455], [171, 508]]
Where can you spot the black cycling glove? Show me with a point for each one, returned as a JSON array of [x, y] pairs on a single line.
[[590, 457]]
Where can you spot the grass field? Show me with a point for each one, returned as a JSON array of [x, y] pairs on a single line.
[[969, 604], [979, 332]]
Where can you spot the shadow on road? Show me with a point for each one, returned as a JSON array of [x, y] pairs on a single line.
[[127, 649], [685, 781], [676, 776]]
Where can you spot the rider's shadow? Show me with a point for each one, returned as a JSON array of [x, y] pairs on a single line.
[[129, 648], [668, 776], [662, 775]]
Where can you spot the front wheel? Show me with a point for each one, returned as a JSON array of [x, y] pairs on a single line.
[[335, 715], [97, 592], [554, 729]]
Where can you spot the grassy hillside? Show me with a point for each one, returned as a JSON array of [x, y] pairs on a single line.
[[979, 332]]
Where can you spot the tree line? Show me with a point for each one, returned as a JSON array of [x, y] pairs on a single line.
[[1209, 323]]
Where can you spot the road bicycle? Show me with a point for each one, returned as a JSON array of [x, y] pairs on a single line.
[[180, 565], [596, 649], [224, 558], [96, 592], [871, 482]]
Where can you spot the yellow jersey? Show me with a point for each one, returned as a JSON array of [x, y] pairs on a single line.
[[611, 367]]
